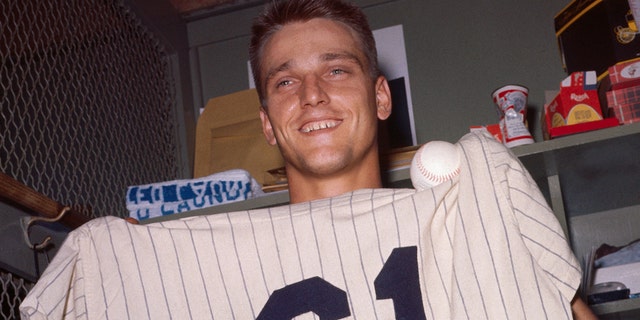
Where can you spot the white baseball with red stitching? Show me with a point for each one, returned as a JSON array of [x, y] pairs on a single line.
[[434, 163]]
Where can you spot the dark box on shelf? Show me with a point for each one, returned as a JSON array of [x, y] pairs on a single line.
[[595, 34]]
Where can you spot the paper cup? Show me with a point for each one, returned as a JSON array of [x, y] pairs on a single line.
[[511, 101]]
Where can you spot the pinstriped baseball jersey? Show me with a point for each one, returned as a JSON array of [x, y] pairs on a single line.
[[484, 245]]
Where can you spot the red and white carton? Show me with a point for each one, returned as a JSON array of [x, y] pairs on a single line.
[[627, 113], [624, 74], [625, 104], [576, 108], [577, 101]]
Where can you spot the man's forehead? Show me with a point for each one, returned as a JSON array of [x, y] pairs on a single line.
[[295, 37]]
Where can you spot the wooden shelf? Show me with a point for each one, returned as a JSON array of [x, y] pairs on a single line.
[[579, 139]]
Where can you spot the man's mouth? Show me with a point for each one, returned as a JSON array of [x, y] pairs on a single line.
[[319, 125]]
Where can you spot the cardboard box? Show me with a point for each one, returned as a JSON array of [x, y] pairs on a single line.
[[624, 74], [577, 101], [550, 133], [627, 113], [624, 104], [629, 95], [621, 75], [229, 136], [595, 34], [576, 108]]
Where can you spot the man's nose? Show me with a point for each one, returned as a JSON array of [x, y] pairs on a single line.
[[313, 92]]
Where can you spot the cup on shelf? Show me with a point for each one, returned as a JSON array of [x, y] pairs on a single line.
[[511, 101]]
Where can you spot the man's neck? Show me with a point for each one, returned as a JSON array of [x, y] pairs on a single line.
[[304, 188]]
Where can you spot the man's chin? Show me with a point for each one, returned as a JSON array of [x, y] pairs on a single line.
[[324, 166]]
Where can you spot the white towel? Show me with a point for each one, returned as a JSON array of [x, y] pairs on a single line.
[[169, 197]]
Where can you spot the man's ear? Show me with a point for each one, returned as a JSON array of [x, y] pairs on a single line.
[[383, 98], [267, 129]]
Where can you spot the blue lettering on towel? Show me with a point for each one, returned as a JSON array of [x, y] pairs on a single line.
[[180, 197]]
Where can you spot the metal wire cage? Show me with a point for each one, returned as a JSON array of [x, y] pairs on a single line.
[[12, 290], [87, 108]]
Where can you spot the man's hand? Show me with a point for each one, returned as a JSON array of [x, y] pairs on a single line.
[[580, 310], [131, 220]]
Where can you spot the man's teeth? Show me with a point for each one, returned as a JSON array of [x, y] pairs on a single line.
[[319, 126]]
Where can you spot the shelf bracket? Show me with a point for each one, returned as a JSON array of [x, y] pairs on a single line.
[[557, 203]]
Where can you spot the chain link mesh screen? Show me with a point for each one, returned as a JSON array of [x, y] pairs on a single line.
[[12, 290], [87, 107]]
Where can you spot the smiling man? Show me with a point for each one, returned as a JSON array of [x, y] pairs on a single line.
[[321, 106], [483, 245]]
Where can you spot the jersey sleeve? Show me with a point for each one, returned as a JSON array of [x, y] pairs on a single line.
[[539, 227]]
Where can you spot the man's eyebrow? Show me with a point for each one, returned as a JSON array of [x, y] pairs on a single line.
[[341, 56], [330, 56], [272, 72]]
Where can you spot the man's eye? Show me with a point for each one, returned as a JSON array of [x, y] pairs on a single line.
[[337, 71], [283, 83]]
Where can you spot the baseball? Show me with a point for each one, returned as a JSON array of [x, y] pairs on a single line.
[[434, 163]]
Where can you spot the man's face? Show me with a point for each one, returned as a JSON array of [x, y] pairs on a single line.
[[321, 105]]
